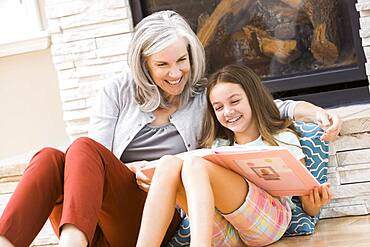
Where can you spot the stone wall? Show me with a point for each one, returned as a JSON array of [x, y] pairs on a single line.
[[349, 164], [363, 7], [89, 45]]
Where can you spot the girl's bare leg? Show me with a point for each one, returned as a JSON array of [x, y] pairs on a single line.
[[200, 204], [208, 186], [72, 236], [160, 202]]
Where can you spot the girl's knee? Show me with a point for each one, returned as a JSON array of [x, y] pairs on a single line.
[[193, 164], [169, 166]]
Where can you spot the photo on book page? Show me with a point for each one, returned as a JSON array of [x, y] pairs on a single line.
[[266, 173]]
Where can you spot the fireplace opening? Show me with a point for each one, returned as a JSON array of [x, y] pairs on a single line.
[[302, 49]]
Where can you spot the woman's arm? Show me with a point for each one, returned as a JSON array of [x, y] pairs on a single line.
[[104, 115], [307, 112], [330, 122]]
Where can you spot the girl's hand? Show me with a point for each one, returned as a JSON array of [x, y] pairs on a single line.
[[330, 123], [318, 197], [142, 181]]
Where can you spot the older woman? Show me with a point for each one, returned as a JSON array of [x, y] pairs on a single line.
[[90, 193]]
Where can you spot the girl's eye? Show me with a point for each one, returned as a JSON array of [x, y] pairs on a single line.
[[235, 101], [218, 108], [182, 59], [161, 65]]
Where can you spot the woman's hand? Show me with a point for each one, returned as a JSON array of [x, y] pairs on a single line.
[[142, 181], [317, 198], [330, 123]]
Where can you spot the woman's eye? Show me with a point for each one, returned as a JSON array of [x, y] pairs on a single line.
[[235, 101]]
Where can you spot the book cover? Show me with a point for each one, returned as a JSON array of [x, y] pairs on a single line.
[[272, 168]]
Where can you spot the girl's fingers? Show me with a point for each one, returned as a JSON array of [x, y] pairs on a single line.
[[324, 195], [328, 194], [316, 195], [311, 197]]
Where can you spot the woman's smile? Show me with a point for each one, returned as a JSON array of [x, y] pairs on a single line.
[[174, 82]]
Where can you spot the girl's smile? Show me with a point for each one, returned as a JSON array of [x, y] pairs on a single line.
[[233, 120]]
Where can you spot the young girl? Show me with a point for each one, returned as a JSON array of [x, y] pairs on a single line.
[[224, 208]]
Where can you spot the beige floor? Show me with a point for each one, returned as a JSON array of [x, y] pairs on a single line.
[[338, 232]]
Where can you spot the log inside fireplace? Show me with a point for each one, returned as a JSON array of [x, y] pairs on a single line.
[[302, 49]]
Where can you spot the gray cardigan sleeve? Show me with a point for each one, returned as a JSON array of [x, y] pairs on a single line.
[[286, 108], [105, 113]]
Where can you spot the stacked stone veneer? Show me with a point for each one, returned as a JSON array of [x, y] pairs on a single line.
[[89, 45], [349, 165]]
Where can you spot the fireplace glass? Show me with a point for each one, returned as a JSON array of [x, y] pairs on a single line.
[[291, 44]]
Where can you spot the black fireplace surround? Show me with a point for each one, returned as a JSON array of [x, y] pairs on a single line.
[[342, 84]]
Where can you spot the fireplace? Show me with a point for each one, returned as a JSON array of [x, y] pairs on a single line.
[[302, 49]]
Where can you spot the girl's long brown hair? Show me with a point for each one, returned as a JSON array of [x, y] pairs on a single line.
[[264, 109]]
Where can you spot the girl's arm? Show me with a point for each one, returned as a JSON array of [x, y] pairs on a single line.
[[317, 198]]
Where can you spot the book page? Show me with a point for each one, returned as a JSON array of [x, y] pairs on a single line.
[[277, 171], [241, 148]]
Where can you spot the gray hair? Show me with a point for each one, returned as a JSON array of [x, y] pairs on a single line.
[[154, 33]]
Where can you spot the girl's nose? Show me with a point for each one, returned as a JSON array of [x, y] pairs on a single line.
[[229, 111]]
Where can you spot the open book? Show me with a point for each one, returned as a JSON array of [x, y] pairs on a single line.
[[272, 168]]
